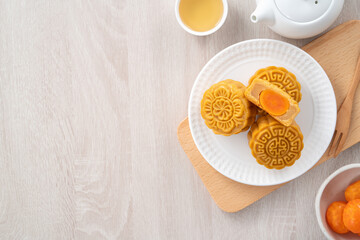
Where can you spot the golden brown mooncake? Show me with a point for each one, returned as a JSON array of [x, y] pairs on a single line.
[[273, 144], [226, 110], [282, 78], [272, 100]]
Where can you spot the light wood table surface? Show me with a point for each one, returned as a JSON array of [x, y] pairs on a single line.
[[91, 93]]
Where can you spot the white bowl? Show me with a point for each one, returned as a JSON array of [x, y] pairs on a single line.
[[333, 189], [186, 28]]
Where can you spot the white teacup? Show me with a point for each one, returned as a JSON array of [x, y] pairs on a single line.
[[189, 30]]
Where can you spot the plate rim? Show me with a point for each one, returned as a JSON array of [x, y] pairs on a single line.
[[334, 117]]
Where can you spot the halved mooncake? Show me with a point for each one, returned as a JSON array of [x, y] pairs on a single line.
[[272, 100], [226, 110], [273, 144], [282, 78]]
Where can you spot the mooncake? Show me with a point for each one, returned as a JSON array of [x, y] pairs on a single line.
[[272, 100], [226, 110], [282, 78], [273, 144]]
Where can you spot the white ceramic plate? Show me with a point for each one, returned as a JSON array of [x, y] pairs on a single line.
[[231, 156]]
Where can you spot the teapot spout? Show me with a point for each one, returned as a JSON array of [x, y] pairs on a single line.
[[263, 13]]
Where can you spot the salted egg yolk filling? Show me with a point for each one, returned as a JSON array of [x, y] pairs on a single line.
[[273, 103]]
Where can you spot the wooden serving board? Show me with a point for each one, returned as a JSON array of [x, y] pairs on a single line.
[[337, 52]]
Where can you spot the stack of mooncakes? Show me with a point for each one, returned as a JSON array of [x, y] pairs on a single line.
[[275, 140]]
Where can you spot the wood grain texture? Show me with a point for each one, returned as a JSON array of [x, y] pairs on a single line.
[[91, 93]]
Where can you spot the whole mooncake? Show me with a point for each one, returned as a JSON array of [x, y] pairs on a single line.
[[282, 78], [273, 144], [226, 110]]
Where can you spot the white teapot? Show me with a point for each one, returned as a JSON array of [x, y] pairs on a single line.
[[297, 18]]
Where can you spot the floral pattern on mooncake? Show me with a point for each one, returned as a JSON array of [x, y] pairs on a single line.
[[282, 78], [273, 144], [226, 110]]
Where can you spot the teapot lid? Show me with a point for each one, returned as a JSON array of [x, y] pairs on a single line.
[[303, 10]]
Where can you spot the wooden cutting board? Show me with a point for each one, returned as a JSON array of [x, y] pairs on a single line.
[[337, 52]]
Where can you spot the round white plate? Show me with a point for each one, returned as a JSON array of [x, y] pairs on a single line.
[[231, 156]]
